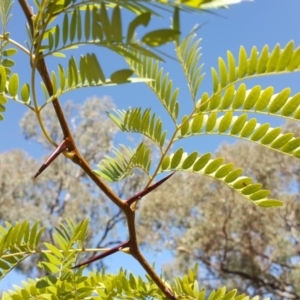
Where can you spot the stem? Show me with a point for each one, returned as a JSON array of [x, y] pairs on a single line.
[[15, 44], [49, 251], [158, 281], [74, 154]]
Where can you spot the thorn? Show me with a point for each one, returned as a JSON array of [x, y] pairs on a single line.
[[147, 190], [60, 148], [104, 254]]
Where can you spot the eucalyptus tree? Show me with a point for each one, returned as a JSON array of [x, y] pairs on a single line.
[[58, 26]]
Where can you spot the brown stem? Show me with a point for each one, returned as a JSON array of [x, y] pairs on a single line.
[[72, 149], [136, 253], [61, 147], [103, 255], [147, 190], [75, 156], [158, 281]]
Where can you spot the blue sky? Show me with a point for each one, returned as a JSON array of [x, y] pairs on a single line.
[[251, 23]]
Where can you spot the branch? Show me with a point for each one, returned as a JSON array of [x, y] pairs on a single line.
[[74, 154]]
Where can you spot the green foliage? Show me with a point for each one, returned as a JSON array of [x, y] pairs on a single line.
[[126, 159], [160, 84], [16, 243], [219, 113], [188, 53], [65, 283], [6, 54], [136, 120], [59, 26]]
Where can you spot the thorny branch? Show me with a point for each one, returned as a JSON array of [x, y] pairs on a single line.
[[73, 153]]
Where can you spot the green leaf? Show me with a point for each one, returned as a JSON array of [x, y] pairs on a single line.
[[117, 25], [176, 22], [46, 281], [203, 103], [239, 96], [33, 233], [107, 28], [224, 170], [121, 76], [279, 100], [50, 41], [201, 162], [285, 57], [260, 132], [159, 37], [249, 128], [228, 97], [215, 80], [252, 63], [230, 295], [4, 265], [54, 250], [13, 85], [189, 161], [251, 188], [260, 195], [25, 92], [271, 136], [222, 72], [295, 60], [49, 267], [184, 125], [165, 163], [211, 121], [10, 52], [2, 108], [231, 67], [176, 158], [291, 145], [269, 203], [7, 63], [233, 175], [2, 79], [291, 105], [197, 123], [73, 27], [3, 100], [87, 23], [142, 19], [282, 140], [240, 182], [242, 70], [238, 124], [264, 99], [225, 122], [215, 101], [62, 77], [65, 29], [115, 169], [213, 165], [57, 36], [252, 97], [262, 61], [273, 60]]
